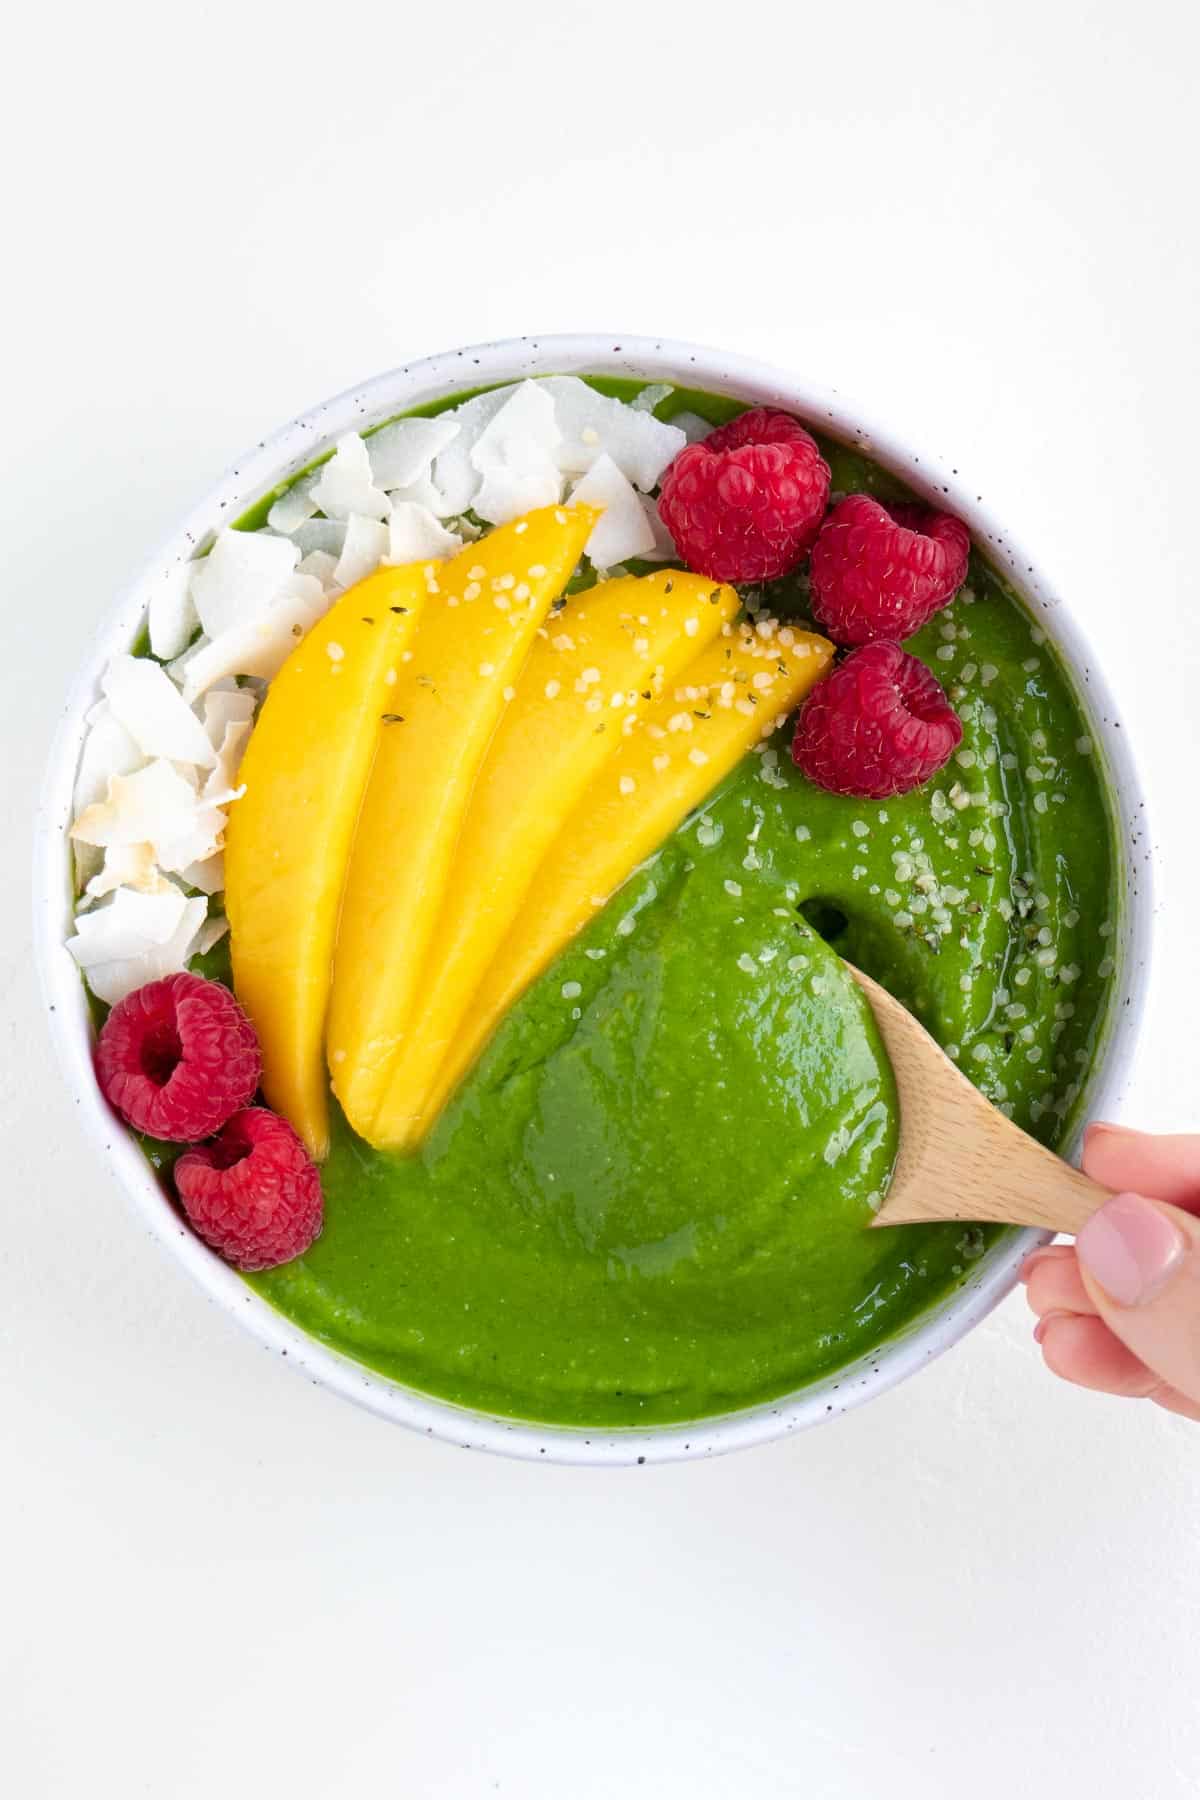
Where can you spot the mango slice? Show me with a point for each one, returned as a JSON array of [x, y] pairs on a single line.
[[607, 657], [480, 617], [288, 839], [735, 693]]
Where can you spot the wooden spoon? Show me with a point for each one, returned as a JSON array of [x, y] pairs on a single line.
[[960, 1157]]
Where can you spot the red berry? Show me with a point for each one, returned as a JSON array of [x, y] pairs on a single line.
[[746, 503], [253, 1194], [883, 571], [878, 725], [178, 1057]]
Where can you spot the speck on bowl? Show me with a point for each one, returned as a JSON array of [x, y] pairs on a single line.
[[432, 378]]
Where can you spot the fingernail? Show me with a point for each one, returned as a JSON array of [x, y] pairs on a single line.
[[1130, 1248], [1047, 1319], [1032, 1260], [1101, 1126]]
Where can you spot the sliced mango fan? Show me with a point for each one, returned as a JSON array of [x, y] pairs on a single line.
[[440, 737]]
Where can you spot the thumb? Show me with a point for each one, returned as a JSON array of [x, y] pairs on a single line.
[[1140, 1261]]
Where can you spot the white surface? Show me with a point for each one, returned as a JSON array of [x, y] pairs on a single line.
[[219, 1580]]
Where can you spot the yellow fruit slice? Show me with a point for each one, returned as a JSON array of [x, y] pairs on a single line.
[[734, 693], [288, 840], [479, 621], [606, 658]]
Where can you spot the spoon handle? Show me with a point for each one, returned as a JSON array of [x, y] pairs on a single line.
[[960, 1157]]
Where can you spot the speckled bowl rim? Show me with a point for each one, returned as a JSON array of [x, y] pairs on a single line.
[[274, 460]]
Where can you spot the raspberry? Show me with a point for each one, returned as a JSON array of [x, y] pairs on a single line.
[[253, 1194], [878, 725], [883, 571], [177, 1057], [746, 503]]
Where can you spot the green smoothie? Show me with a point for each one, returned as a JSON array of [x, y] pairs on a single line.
[[649, 1200]]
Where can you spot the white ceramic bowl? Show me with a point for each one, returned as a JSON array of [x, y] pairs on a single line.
[[280, 456]]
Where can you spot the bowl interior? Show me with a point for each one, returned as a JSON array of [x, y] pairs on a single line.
[[273, 462]]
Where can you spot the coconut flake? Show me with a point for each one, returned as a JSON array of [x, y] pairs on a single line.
[[664, 544], [152, 806], [178, 669], [148, 704], [365, 548], [454, 474], [320, 536], [240, 577], [221, 786], [403, 452], [595, 425], [415, 535], [225, 706], [514, 454], [172, 614], [211, 932], [623, 529], [108, 750], [291, 509], [320, 565], [128, 926], [208, 876], [345, 487], [261, 646], [652, 395], [131, 866], [135, 938], [692, 426], [422, 492]]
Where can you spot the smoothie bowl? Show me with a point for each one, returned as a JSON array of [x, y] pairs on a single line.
[[525, 738]]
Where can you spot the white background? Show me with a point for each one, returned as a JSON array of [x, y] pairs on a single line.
[[217, 1580]]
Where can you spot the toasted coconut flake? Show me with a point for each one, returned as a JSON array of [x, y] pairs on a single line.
[[171, 615], [108, 750], [291, 509], [403, 452], [148, 704], [152, 806], [415, 535], [345, 487], [623, 530], [365, 548], [131, 866], [595, 425]]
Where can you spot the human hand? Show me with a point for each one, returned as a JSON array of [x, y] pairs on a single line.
[[1119, 1309]]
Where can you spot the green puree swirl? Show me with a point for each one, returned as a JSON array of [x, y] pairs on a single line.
[[648, 1202]]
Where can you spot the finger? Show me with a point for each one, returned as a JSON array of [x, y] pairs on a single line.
[[1057, 1286], [1140, 1262], [1047, 1253], [1086, 1352], [1170, 1401], [1163, 1168]]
